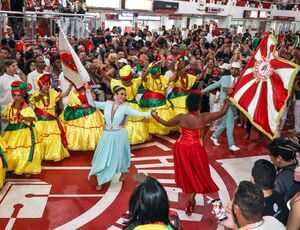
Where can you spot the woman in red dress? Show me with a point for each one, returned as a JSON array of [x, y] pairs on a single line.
[[191, 164]]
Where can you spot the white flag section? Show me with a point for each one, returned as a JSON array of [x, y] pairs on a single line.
[[72, 67]]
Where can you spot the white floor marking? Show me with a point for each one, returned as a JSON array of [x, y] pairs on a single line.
[[156, 171], [223, 192], [33, 207], [76, 195], [111, 194], [10, 224], [166, 181], [240, 168], [161, 158], [114, 228], [157, 144], [158, 165], [169, 139], [66, 167]]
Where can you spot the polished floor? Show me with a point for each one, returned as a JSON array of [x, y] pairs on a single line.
[[61, 197]]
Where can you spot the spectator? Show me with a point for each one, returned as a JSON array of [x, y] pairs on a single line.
[[9, 76], [247, 210], [5, 53], [40, 67], [149, 207], [283, 155], [294, 220], [264, 176]]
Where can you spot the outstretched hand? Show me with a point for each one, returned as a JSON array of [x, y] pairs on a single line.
[[154, 113]]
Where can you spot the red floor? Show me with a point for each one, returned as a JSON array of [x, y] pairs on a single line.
[[62, 197]]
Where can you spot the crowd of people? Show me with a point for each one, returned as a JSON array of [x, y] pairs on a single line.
[[146, 84]]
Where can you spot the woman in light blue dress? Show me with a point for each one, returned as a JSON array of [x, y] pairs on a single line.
[[112, 154]]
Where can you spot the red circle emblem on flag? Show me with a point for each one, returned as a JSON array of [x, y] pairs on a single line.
[[67, 60], [263, 69]]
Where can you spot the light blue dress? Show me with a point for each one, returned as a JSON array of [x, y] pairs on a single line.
[[112, 154]]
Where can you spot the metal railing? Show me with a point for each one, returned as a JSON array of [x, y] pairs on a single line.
[[46, 23]]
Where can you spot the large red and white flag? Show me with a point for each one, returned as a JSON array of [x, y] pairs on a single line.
[[73, 69], [264, 87]]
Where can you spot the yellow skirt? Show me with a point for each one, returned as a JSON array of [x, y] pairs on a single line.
[[165, 112], [51, 140], [179, 105], [18, 149], [83, 134], [2, 176], [137, 127]]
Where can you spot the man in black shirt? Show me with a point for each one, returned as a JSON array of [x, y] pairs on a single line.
[[264, 176]]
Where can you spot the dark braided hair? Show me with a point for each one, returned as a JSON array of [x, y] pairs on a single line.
[[286, 148]]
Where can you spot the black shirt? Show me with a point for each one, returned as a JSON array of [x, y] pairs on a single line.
[[275, 206]]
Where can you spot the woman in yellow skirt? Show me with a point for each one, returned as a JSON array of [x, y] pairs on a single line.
[[181, 86], [24, 152], [83, 123], [53, 136], [154, 97], [136, 126], [3, 162]]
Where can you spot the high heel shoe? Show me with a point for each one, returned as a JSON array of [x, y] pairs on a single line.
[[190, 207]]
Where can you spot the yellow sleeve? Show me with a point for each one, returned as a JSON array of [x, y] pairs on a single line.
[[54, 95], [28, 112], [165, 81], [3, 145], [136, 82], [113, 83], [192, 80], [6, 111], [35, 93], [73, 100]]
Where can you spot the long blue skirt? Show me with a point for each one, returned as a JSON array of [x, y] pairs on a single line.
[[111, 156]]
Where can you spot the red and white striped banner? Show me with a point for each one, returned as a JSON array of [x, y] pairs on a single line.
[[264, 87]]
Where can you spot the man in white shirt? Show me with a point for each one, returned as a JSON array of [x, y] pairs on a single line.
[[247, 210], [40, 67], [6, 80]]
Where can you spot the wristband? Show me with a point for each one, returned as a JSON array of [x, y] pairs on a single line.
[[156, 117]]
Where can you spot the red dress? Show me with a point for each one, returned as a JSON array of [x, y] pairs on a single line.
[[191, 164]]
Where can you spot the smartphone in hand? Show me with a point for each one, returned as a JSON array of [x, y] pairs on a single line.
[[219, 210]]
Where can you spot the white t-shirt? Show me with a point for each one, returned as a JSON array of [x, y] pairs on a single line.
[[271, 222], [31, 80], [64, 85], [5, 88]]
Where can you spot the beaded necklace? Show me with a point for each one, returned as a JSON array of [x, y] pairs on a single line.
[[46, 102], [15, 116]]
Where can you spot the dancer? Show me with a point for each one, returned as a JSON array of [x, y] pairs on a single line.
[[24, 151], [181, 86], [3, 162], [226, 82], [191, 164], [112, 154], [136, 126], [52, 133], [149, 208], [154, 97], [83, 124]]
